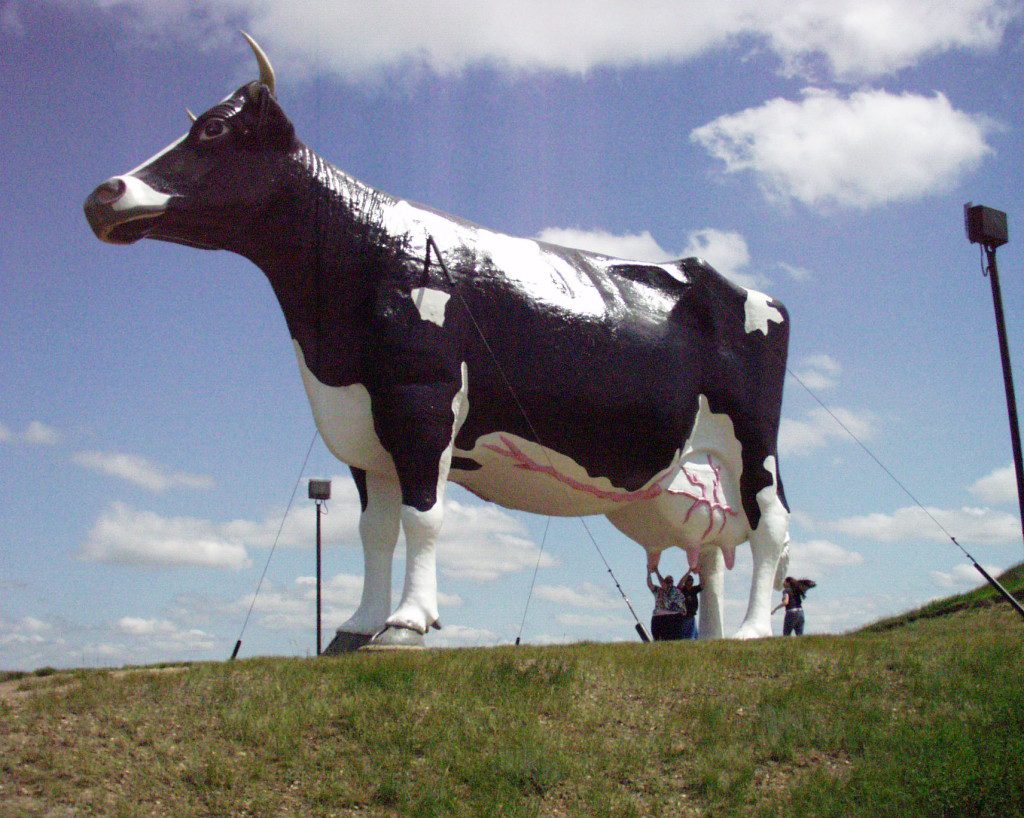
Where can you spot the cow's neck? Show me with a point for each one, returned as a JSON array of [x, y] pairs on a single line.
[[323, 252]]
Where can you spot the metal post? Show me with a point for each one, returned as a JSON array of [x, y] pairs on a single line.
[[320, 491], [1011, 399], [318, 642]]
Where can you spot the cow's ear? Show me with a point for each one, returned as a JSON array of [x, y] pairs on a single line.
[[271, 126]]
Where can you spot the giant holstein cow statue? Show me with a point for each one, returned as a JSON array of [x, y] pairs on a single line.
[[543, 378]]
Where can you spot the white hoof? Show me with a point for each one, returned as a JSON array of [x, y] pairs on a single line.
[[749, 630], [411, 617]]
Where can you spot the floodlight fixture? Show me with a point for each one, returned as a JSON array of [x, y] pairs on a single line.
[[985, 225], [319, 489]]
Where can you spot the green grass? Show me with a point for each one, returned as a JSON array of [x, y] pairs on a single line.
[[925, 719]]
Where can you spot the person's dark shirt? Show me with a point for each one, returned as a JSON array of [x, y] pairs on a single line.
[[690, 599], [794, 600]]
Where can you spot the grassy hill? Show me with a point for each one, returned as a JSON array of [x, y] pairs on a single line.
[[922, 719], [1012, 579]]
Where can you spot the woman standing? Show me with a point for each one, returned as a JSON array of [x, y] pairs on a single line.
[[667, 620], [793, 593]]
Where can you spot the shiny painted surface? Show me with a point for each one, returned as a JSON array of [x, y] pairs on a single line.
[[647, 392]]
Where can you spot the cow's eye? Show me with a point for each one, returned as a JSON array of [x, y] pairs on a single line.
[[213, 129]]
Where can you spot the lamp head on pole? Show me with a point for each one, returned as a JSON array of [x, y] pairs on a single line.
[[985, 225], [319, 490]]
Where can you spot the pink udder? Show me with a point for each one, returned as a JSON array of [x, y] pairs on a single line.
[[709, 497]]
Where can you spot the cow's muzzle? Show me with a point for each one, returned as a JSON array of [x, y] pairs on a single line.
[[124, 209]]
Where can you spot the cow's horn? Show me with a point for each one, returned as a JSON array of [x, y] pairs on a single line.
[[266, 70], [191, 115]]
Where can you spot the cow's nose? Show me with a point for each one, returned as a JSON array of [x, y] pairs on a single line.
[[109, 192]]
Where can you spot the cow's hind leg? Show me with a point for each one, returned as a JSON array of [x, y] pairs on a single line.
[[381, 501], [768, 545], [712, 598]]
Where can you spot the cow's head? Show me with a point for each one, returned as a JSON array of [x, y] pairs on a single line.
[[207, 187]]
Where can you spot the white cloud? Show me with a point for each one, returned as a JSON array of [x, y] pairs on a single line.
[[477, 542], [339, 526], [861, 151], [483, 542], [963, 577], [911, 524], [587, 595], [819, 372], [814, 557], [725, 250], [796, 273], [36, 433], [26, 632], [164, 635], [39, 434], [140, 471], [998, 487], [124, 536], [818, 428], [463, 636], [849, 38]]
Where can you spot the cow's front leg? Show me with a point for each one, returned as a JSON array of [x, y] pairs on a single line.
[[422, 460], [417, 611], [768, 544], [381, 500]]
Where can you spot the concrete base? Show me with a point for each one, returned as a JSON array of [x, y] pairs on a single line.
[[398, 638]]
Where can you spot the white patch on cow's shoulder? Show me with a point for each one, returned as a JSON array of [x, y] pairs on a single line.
[[430, 303], [758, 311], [344, 418]]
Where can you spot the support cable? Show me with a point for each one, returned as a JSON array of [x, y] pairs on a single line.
[[641, 630], [529, 596], [270, 556]]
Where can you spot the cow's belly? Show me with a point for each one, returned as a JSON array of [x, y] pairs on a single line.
[[345, 421], [519, 474]]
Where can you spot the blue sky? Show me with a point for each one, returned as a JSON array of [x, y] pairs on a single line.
[[152, 420]]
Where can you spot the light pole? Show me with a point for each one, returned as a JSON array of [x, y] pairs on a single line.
[[987, 226], [320, 491]]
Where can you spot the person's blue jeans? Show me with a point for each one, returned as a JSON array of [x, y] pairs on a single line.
[[793, 623]]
